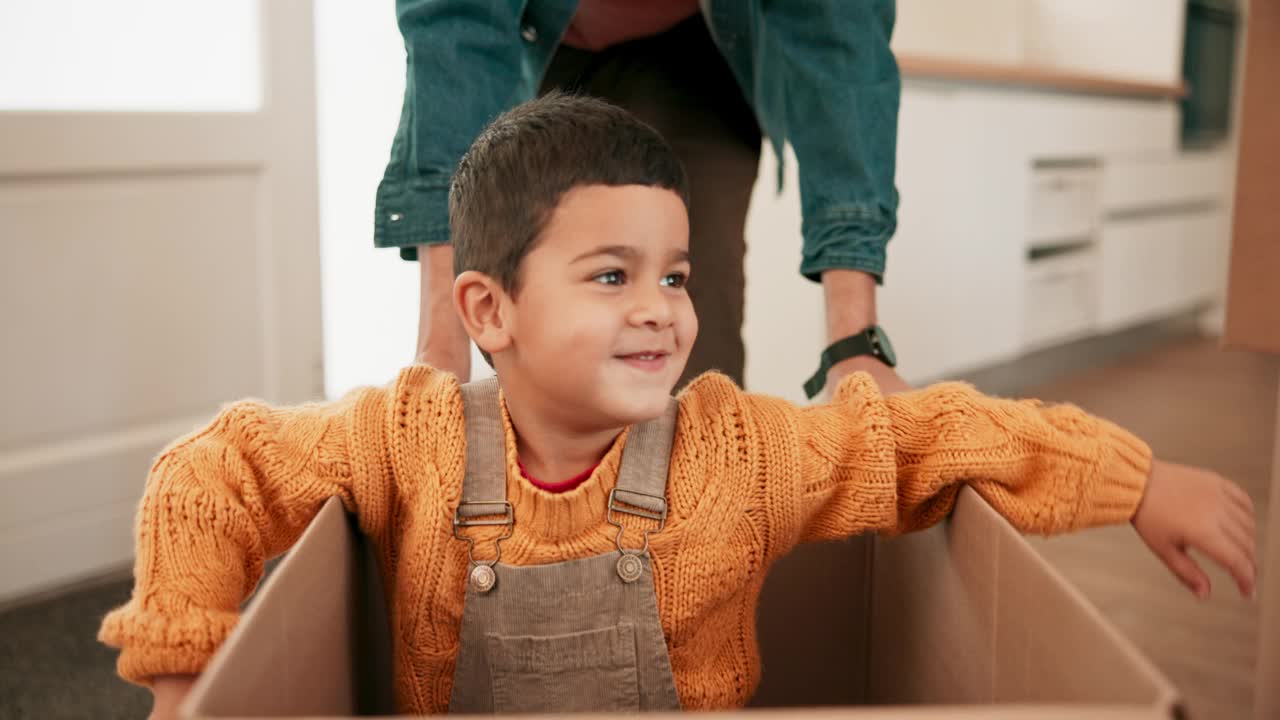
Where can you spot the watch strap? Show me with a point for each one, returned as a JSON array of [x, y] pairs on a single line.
[[842, 349]]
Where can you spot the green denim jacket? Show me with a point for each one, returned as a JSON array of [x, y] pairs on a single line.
[[819, 74]]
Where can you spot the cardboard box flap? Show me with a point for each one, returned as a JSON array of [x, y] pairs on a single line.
[[292, 652], [970, 613], [1253, 295], [812, 626]]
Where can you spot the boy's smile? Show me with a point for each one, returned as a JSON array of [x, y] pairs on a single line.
[[598, 330]]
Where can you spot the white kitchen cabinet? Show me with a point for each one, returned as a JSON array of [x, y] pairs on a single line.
[[1156, 265], [1037, 125], [937, 281], [1140, 266], [1027, 175], [1064, 203], [1062, 298], [1060, 302], [1206, 248], [1164, 235], [986, 174], [1137, 40], [1164, 180]]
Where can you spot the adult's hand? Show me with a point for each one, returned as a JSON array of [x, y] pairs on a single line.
[[850, 299], [886, 377], [442, 342]]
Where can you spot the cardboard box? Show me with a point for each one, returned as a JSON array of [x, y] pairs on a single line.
[[965, 618], [1253, 292], [1267, 688]]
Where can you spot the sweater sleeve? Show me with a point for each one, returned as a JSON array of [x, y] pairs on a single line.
[[217, 504], [896, 464]]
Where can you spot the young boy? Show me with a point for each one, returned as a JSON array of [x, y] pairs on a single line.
[[580, 540]]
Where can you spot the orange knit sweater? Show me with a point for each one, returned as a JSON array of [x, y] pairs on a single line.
[[750, 477]]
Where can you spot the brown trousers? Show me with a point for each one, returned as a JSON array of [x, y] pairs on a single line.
[[678, 82]]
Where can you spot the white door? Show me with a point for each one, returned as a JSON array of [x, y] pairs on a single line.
[[156, 263]]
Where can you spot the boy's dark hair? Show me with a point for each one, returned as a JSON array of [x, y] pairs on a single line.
[[524, 162]]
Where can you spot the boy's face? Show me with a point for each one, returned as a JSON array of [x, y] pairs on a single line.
[[602, 323]]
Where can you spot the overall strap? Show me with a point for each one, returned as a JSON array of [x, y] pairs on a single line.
[[484, 486], [642, 477]]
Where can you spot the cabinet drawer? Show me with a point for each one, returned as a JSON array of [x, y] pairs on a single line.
[[1061, 301], [1159, 265], [1064, 203], [1160, 182]]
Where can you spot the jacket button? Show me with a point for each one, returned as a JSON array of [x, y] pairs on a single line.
[[529, 33]]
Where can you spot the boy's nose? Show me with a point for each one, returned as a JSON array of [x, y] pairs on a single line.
[[651, 307]]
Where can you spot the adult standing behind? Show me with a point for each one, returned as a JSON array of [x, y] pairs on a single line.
[[709, 75]]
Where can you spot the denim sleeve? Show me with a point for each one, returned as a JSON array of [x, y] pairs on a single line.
[[843, 91], [465, 63]]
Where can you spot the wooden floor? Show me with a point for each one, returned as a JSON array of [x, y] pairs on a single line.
[[1203, 406]]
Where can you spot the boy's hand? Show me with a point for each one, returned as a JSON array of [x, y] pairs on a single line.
[[1188, 508], [169, 691]]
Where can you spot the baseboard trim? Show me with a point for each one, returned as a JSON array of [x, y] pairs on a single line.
[[1017, 376], [87, 582]]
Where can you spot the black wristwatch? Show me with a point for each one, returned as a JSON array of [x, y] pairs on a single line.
[[871, 341]]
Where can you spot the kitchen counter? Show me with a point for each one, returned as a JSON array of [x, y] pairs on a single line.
[[1032, 77]]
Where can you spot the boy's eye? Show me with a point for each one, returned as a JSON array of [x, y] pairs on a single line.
[[675, 280], [610, 277]]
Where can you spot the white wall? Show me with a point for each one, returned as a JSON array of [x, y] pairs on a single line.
[[988, 31], [369, 295], [1128, 39], [1132, 39], [784, 328]]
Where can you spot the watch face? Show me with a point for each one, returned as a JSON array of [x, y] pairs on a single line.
[[880, 341]]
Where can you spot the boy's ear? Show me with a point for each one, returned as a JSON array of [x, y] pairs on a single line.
[[481, 303]]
